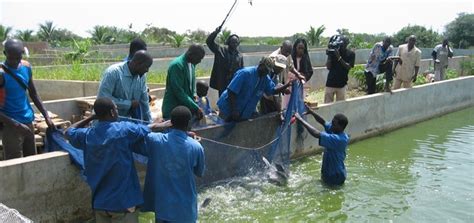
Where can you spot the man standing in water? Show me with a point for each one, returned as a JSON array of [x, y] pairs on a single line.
[[227, 60], [334, 141]]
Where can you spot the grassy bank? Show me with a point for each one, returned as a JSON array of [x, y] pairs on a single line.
[[94, 73]]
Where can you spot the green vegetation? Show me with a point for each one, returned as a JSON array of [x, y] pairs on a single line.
[[4, 32], [358, 73], [424, 37], [80, 72], [468, 66], [314, 35], [461, 31], [177, 40]]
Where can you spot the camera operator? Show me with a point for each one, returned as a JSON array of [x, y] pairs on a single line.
[[340, 60]]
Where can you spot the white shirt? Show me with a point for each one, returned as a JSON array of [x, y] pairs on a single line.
[[410, 60]]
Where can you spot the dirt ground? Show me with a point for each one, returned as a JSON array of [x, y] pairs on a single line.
[[318, 96]]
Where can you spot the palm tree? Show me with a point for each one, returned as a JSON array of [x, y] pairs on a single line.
[[4, 31], [25, 35], [101, 35], [177, 40], [224, 35], [314, 35], [46, 31]]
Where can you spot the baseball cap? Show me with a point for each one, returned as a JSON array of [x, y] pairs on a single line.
[[268, 62], [280, 61]]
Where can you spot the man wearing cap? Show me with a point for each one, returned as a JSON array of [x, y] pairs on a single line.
[[239, 101], [287, 72], [272, 103]]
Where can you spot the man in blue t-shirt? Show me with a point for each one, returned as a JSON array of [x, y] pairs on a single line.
[[174, 159], [16, 114], [108, 159], [334, 140], [239, 101]]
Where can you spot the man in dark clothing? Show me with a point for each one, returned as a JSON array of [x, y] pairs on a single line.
[[227, 60], [136, 45], [338, 63]]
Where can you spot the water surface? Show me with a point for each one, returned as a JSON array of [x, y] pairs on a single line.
[[422, 173]]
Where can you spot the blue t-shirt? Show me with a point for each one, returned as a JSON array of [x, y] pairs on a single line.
[[109, 165], [170, 189], [204, 104], [249, 88], [335, 146], [13, 97]]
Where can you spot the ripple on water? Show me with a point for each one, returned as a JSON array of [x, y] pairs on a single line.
[[422, 173]]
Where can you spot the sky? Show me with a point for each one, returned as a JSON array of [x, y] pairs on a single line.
[[262, 18]]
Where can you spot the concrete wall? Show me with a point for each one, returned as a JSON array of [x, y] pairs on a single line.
[[61, 89], [47, 188], [54, 89], [318, 58]]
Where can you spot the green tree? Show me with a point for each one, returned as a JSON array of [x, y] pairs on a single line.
[[4, 32], [344, 32], [314, 35], [101, 35], [156, 34], [177, 40], [198, 36], [80, 50], [224, 35], [63, 37], [424, 37], [461, 31], [46, 31], [25, 35]]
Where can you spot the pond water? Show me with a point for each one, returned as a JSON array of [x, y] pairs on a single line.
[[421, 173]]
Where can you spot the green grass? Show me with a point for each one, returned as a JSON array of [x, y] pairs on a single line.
[[94, 73]]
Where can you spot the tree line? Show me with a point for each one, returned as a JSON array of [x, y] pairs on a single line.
[[460, 32]]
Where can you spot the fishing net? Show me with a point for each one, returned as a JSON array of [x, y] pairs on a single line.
[[240, 151], [9, 215], [231, 150]]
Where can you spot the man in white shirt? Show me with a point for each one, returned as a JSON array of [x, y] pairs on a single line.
[[440, 55], [406, 68]]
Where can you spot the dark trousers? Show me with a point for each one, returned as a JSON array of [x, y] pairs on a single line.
[[384, 67], [371, 82], [16, 145]]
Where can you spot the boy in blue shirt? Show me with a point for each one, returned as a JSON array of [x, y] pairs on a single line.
[[334, 141], [109, 166], [203, 102], [174, 159]]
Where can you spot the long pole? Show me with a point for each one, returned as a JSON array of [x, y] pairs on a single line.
[[227, 16]]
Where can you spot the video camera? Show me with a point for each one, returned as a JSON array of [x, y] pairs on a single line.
[[334, 44]]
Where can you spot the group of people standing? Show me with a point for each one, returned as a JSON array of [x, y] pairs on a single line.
[[175, 157], [404, 67]]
